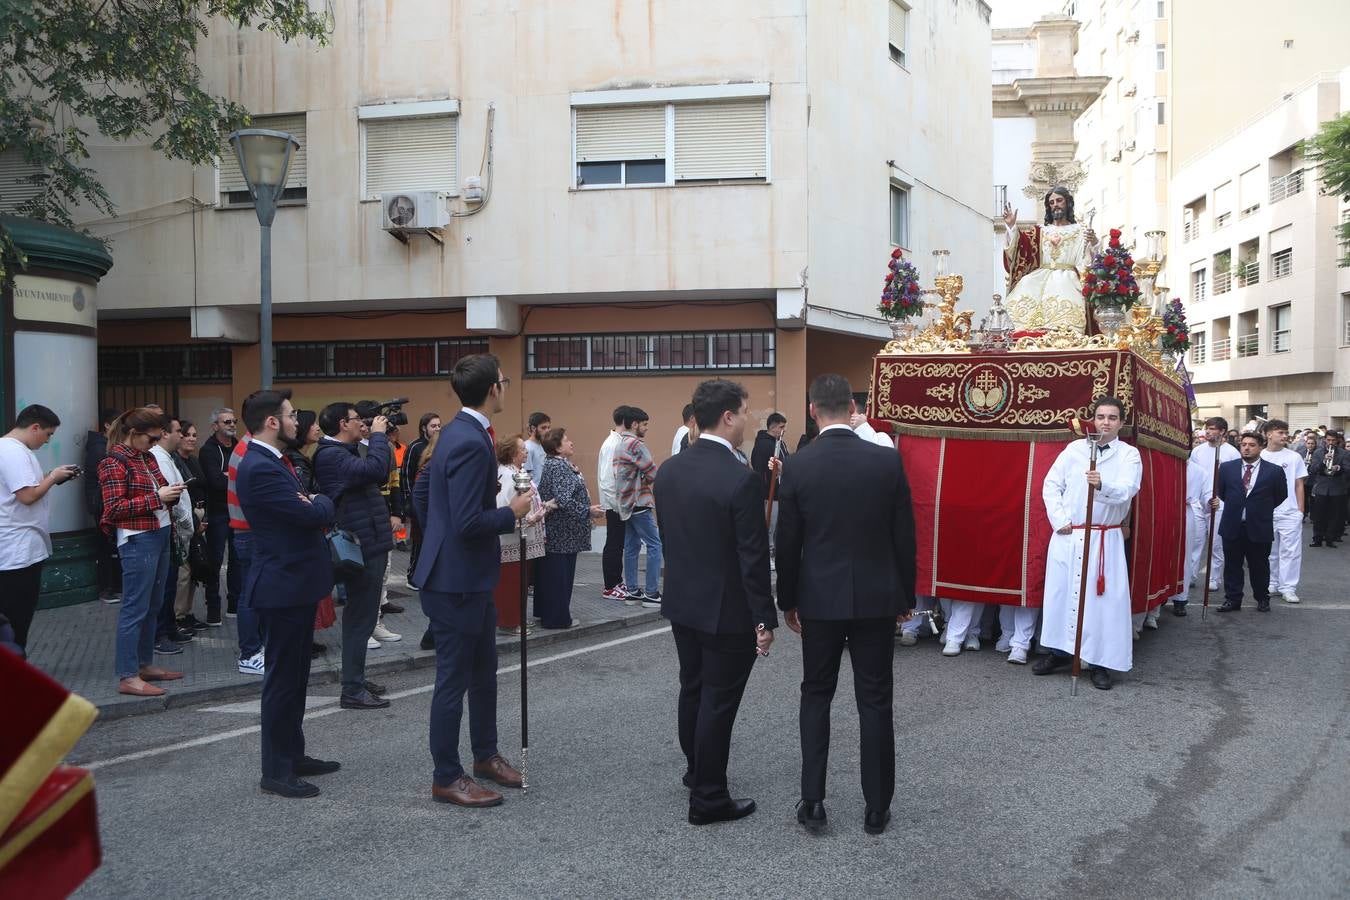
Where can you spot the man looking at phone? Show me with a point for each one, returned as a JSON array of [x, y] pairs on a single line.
[[168, 636], [25, 535]]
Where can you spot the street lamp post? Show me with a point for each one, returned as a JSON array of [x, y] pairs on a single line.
[[264, 156]]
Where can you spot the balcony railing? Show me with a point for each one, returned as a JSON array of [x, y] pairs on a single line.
[[1222, 219], [1190, 230], [1223, 349], [1198, 354], [1285, 186], [1199, 291], [1248, 210], [1248, 345], [1223, 282], [1249, 273], [1281, 341], [1281, 264]]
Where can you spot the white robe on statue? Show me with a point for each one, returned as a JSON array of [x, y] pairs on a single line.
[[1108, 637]]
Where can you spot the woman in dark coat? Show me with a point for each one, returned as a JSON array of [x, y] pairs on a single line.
[[569, 531]]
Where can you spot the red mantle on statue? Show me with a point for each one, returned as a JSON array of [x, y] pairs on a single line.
[[978, 434]]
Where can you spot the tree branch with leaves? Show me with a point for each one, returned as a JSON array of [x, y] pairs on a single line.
[[1329, 149]]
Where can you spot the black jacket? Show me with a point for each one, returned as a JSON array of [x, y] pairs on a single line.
[[412, 458], [1327, 483], [95, 448], [766, 445], [353, 482], [845, 545], [191, 466], [304, 470], [710, 511], [214, 458]]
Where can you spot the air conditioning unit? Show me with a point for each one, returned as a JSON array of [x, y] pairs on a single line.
[[415, 212], [1134, 36], [1115, 155], [1130, 145], [1129, 88]]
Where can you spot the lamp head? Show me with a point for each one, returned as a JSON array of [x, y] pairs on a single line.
[[264, 157]]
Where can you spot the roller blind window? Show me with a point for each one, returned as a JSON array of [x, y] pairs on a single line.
[[15, 187], [897, 26], [415, 154], [669, 143], [233, 187]]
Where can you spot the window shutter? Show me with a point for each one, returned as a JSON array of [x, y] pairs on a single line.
[[1223, 198], [726, 139], [617, 133], [1250, 188], [895, 30], [412, 154], [14, 188], [1281, 239], [232, 178], [1302, 415]]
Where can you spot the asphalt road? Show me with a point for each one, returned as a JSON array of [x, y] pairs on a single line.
[[1219, 767]]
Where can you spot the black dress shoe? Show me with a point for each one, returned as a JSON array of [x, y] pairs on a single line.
[[1230, 606], [363, 700], [876, 820], [1263, 606], [391, 608], [308, 765], [1315, 543], [1051, 663], [731, 811], [1101, 678], [1178, 609], [293, 788], [811, 813], [1331, 543], [376, 688], [428, 642]]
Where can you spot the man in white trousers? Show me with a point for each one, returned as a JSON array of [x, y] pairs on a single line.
[[1197, 525], [1216, 432], [1286, 554]]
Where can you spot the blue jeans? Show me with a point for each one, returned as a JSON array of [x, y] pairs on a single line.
[[145, 566], [642, 530], [219, 538], [250, 641]]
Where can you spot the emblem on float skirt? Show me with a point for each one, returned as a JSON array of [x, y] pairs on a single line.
[[985, 392]]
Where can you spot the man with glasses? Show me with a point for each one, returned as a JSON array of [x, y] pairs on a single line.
[[215, 460]]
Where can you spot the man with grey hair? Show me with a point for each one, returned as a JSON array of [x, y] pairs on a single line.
[[215, 462]]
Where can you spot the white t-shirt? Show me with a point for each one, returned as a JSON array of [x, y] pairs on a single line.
[[1294, 469], [679, 436], [24, 537]]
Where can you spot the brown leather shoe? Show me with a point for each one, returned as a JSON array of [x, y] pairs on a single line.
[[464, 791], [496, 769]]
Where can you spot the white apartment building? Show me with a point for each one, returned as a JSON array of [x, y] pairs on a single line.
[[1257, 247], [668, 190]]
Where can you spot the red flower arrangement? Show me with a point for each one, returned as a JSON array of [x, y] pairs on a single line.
[[901, 297], [1177, 336], [1109, 281]]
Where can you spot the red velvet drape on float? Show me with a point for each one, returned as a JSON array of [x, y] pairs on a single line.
[[982, 530]]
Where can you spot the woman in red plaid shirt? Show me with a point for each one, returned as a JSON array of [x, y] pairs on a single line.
[[136, 504]]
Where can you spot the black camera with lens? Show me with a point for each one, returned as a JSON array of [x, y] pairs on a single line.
[[392, 410]]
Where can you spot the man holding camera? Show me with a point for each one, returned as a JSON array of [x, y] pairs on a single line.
[[353, 482]]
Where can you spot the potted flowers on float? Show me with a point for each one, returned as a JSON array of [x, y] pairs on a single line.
[[1176, 336], [1109, 285], [901, 297]]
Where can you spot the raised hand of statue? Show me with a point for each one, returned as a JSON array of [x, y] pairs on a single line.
[[1009, 215], [1090, 236]]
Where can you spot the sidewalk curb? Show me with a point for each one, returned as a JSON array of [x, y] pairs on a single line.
[[397, 661]]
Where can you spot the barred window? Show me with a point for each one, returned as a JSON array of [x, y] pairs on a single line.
[[427, 358], [654, 352], [175, 362]]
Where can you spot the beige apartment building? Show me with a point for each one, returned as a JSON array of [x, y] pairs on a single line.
[[619, 199], [1257, 243]]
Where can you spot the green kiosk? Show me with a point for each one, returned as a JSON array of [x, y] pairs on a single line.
[[49, 355]]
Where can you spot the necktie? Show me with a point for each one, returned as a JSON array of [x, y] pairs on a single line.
[[492, 435], [290, 465], [1247, 477]]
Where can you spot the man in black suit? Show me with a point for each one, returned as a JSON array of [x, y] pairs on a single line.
[[846, 570], [1249, 489], [292, 571], [718, 601]]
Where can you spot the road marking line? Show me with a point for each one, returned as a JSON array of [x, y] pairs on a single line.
[[328, 711]]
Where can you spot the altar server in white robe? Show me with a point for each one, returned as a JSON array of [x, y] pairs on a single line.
[[1108, 637], [1197, 526], [1216, 433]]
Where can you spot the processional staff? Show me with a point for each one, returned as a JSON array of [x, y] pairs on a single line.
[[521, 481], [1092, 437], [1209, 542]]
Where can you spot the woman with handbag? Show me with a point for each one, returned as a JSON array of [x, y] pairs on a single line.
[[511, 456], [307, 435], [196, 569], [569, 531], [136, 504]]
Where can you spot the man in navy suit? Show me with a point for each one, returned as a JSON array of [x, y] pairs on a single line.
[[1249, 489], [460, 562], [291, 554]]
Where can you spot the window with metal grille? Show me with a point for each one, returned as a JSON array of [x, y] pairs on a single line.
[[297, 360], [177, 362], [655, 352], [1281, 319], [411, 154], [1199, 348], [670, 143], [897, 30], [1282, 263], [233, 187]]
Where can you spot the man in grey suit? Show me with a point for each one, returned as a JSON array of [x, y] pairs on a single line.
[[846, 570]]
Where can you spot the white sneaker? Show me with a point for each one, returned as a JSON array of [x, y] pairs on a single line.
[[384, 635], [254, 665], [1018, 656], [972, 643], [1003, 645], [1151, 622], [372, 644], [1214, 586], [953, 648], [1290, 597], [110, 596], [908, 639]]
